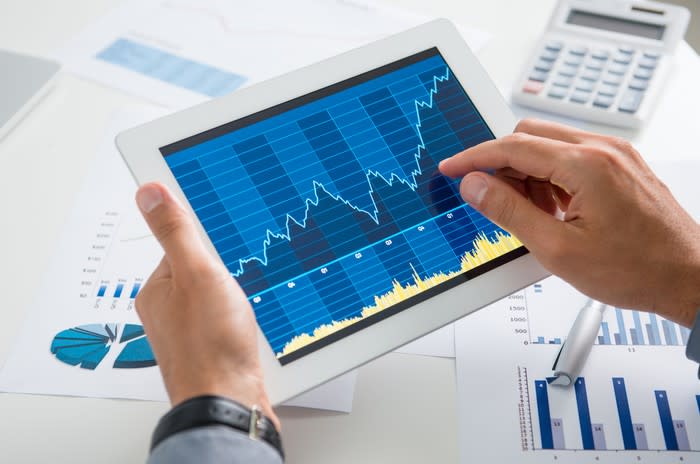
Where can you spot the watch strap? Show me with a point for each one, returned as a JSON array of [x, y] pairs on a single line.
[[207, 410], [692, 348]]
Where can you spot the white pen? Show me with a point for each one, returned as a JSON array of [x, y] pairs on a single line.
[[577, 346]]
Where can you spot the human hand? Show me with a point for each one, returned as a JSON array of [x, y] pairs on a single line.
[[198, 321], [591, 211]]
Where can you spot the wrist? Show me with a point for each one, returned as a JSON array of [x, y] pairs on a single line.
[[245, 388], [211, 410]]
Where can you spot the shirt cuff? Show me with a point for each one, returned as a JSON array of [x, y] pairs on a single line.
[[213, 444]]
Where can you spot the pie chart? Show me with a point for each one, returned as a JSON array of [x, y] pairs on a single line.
[[87, 345]]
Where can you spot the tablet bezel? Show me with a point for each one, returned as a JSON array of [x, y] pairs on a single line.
[[140, 149]]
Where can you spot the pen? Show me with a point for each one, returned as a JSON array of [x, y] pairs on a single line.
[[577, 346]]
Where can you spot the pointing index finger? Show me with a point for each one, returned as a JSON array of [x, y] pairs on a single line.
[[534, 156]]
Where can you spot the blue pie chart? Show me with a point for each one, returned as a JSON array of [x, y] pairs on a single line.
[[87, 345]]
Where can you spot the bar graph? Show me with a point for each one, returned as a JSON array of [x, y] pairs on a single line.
[[630, 431], [135, 290], [593, 436], [120, 254], [116, 289], [637, 399], [621, 327], [541, 341], [584, 415], [673, 334]]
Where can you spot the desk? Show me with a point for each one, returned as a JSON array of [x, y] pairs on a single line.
[[404, 405]]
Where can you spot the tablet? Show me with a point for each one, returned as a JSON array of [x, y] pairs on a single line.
[[320, 193]]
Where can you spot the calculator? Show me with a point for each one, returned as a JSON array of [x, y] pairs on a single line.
[[602, 60]]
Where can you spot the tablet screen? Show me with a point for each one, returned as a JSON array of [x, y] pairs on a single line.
[[329, 210]]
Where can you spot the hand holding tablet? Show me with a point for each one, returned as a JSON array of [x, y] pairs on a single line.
[[320, 193]]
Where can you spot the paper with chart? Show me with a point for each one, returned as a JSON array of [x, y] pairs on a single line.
[[637, 400], [181, 52], [82, 336]]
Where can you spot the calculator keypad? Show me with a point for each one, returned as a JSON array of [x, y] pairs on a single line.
[[615, 78]]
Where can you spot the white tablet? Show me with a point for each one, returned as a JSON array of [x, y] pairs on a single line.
[[319, 191]]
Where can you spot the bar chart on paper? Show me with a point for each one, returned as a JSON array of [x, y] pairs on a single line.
[[637, 399], [120, 242], [532, 308], [663, 430]]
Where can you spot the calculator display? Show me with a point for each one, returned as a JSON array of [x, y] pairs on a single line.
[[620, 25]]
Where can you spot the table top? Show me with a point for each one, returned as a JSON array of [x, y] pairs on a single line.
[[404, 405]]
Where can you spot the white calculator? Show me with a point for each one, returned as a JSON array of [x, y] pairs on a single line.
[[602, 60]]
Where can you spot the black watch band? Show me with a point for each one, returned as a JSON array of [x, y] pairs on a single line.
[[217, 410]]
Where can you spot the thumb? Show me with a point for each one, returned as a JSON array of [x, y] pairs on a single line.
[[171, 224], [503, 205]]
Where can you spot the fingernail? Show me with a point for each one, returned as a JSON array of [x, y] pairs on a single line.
[[148, 198], [443, 164], [474, 189]]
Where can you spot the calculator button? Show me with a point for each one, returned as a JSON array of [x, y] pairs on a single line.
[[639, 84], [612, 79], [601, 55], [590, 75], [568, 71], [557, 92], [585, 86], [533, 87], [595, 65], [617, 68], [630, 101], [601, 101], [544, 66], [608, 90], [563, 81], [652, 55], [648, 63], [549, 55], [580, 97], [626, 50], [573, 60], [554, 45], [622, 59], [538, 76], [641, 73], [578, 50]]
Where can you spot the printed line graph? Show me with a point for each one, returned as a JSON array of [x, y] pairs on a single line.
[[334, 210]]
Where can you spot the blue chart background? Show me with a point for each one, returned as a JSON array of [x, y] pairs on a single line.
[[318, 209]]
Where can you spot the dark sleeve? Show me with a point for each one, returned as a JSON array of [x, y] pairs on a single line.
[[213, 444]]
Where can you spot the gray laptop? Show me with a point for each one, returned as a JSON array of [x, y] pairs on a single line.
[[23, 81]]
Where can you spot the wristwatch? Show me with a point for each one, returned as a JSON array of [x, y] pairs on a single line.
[[217, 410], [692, 349]]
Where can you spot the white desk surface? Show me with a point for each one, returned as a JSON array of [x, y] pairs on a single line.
[[404, 407]]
